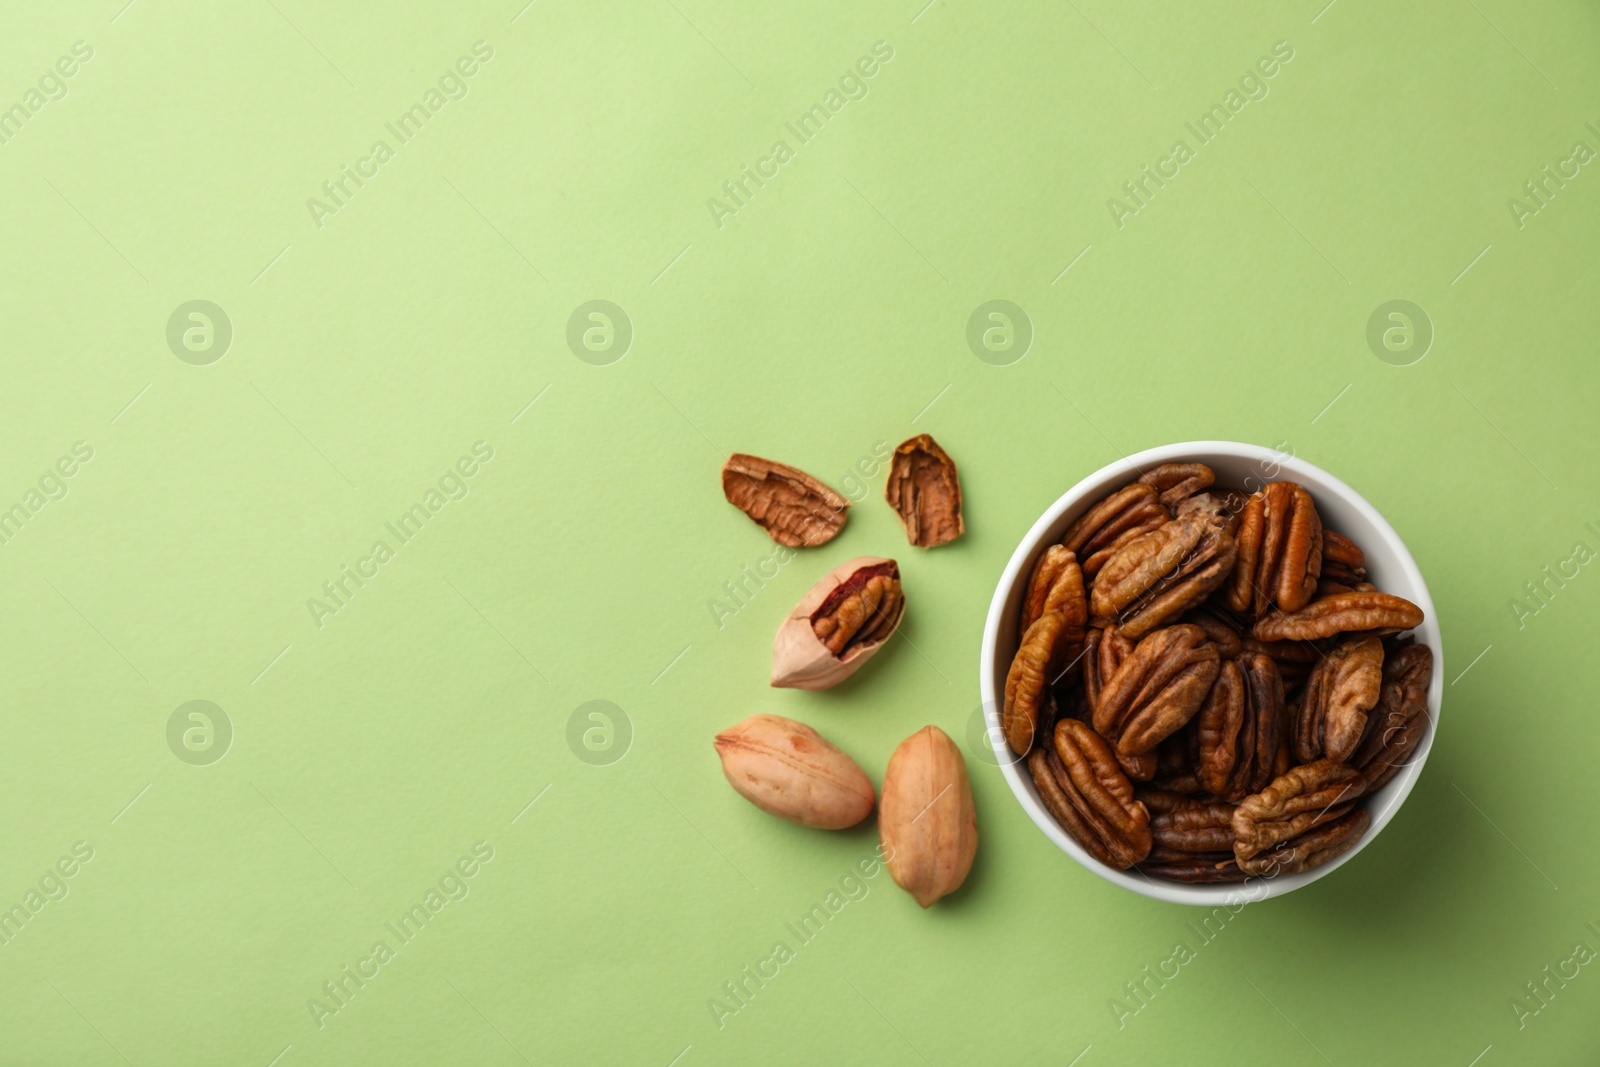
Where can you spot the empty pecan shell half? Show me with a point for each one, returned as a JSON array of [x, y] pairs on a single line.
[[924, 491], [1081, 785], [838, 624], [1176, 482], [1266, 824], [1120, 517], [1374, 613], [1342, 689], [1157, 689], [1280, 551], [1397, 725], [793, 507], [1238, 727], [1157, 576]]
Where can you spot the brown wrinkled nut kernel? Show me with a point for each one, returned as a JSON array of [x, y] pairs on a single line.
[[1280, 551], [1375, 613], [1028, 679], [1140, 768], [1397, 725], [1120, 517], [840, 623], [1342, 559], [1103, 654], [1193, 826], [1201, 870], [1312, 848], [1157, 576], [1238, 727], [1299, 801], [1081, 785], [1157, 689], [1057, 587], [1341, 691], [1176, 482], [794, 508], [1219, 631], [1045, 573], [924, 491]]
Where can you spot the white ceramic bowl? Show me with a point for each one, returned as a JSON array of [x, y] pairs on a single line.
[[1249, 467]]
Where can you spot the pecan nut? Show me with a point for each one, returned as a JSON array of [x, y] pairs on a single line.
[[1120, 517], [1280, 551], [1157, 576], [926, 820], [1342, 559], [1341, 691], [1238, 727], [1028, 680], [838, 625], [787, 769], [1267, 824], [1176, 482], [1312, 848], [1397, 725], [1372, 613], [924, 491], [794, 508], [1081, 785], [1157, 689]]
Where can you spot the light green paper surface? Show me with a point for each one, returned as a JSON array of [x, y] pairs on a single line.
[[375, 746]]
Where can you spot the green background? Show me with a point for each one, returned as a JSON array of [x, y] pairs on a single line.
[[828, 314]]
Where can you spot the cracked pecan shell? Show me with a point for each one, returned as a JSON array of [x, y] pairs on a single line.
[[1373, 613], [1157, 689], [1120, 517], [794, 508], [838, 625], [1157, 576], [925, 492], [1082, 786], [1280, 551], [1397, 725], [1341, 691]]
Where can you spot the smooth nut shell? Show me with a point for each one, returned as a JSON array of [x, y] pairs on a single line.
[[787, 769], [927, 822]]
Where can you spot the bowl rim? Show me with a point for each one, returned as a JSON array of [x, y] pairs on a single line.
[[1382, 804]]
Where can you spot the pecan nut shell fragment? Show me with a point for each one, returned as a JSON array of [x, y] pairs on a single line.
[[838, 625], [1340, 692], [1157, 576], [1157, 689], [1081, 785], [794, 508], [925, 492], [1280, 551], [1374, 613]]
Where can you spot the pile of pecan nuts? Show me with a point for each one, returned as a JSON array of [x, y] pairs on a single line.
[[1207, 686]]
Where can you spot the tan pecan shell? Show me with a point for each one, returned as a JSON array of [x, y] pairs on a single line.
[[1280, 551], [1120, 517], [1398, 723], [926, 820], [1081, 785], [793, 507], [1374, 613], [1176, 482], [925, 492], [789, 770], [1157, 689], [1157, 576], [1294, 803], [1342, 689]]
